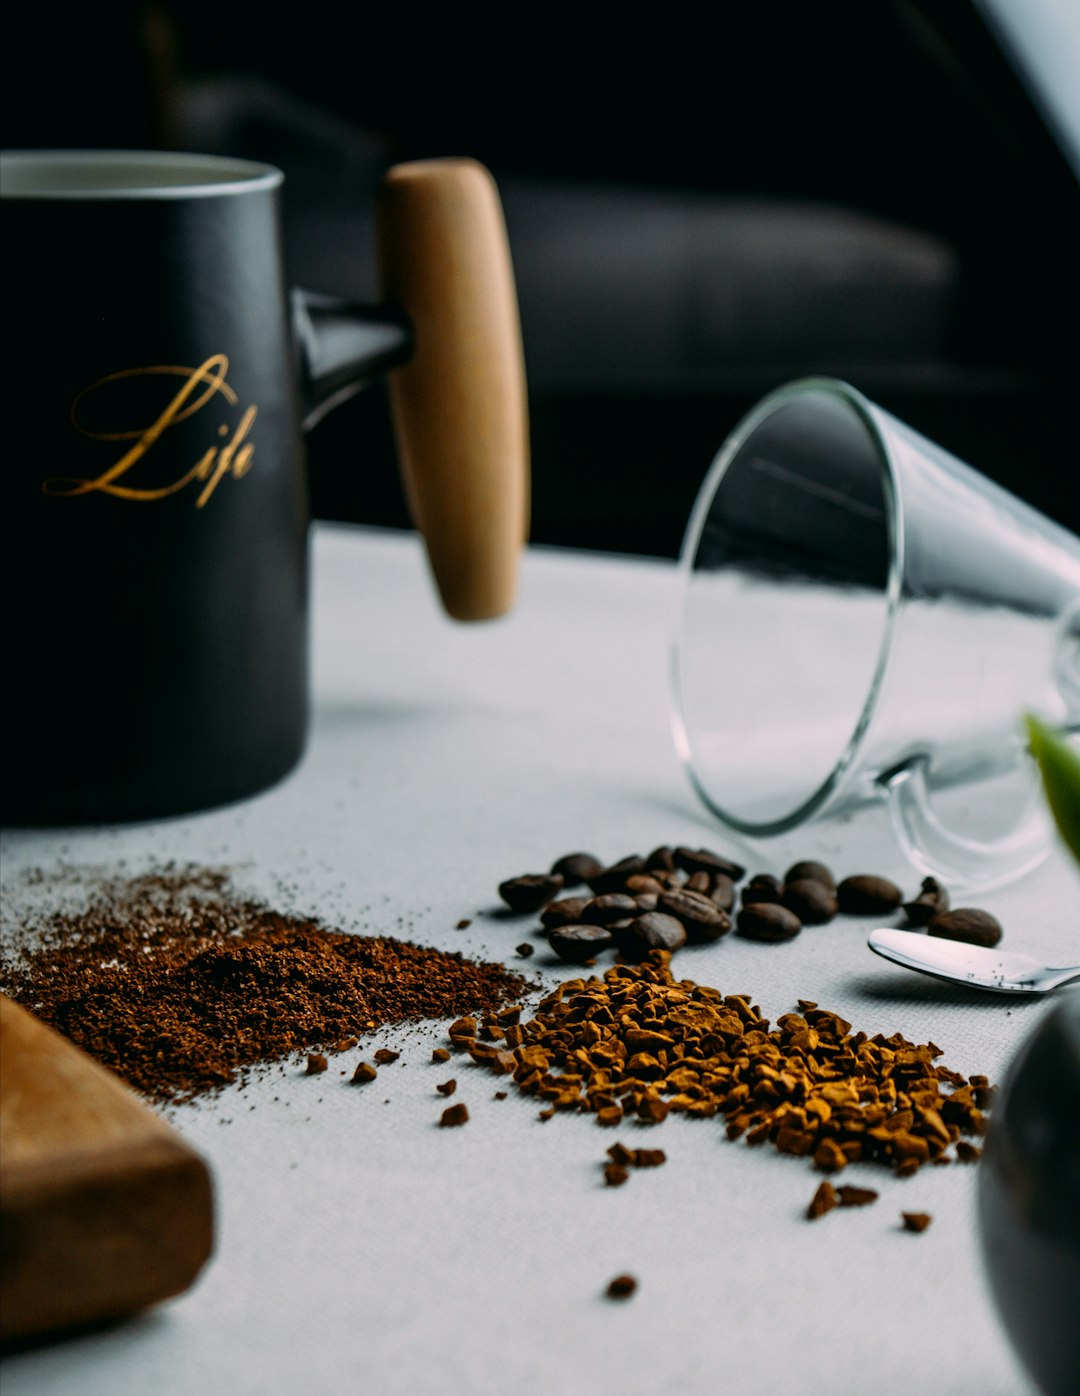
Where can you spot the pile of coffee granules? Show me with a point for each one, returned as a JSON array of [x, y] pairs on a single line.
[[637, 1043], [182, 987]]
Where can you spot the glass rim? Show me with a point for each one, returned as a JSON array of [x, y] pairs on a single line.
[[729, 451], [81, 175]]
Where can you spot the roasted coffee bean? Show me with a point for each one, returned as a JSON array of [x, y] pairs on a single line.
[[968, 924], [642, 885], [807, 868], [661, 859], [579, 944], [531, 891], [651, 931], [932, 898], [699, 882], [762, 887], [576, 868], [611, 906], [867, 895], [693, 860], [646, 901], [564, 912], [722, 892], [811, 901], [703, 919], [613, 878], [767, 921]]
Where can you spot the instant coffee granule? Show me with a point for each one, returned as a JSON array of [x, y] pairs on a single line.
[[638, 1044], [183, 987]]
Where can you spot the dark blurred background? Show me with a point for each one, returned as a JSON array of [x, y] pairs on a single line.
[[697, 214]]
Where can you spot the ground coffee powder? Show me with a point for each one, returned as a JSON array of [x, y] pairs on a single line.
[[182, 986]]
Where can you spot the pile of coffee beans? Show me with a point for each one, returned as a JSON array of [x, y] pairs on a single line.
[[676, 896]]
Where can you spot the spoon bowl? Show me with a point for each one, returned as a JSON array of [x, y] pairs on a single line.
[[974, 966]]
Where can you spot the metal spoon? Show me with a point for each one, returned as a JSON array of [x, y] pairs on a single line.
[[972, 965]]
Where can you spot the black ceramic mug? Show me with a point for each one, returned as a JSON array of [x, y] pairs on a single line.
[[157, 377]]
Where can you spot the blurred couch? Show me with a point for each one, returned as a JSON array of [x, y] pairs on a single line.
[[695, 217]]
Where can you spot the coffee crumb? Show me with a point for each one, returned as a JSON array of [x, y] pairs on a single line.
[[649, 1158], [619, 1153], [499, 1095], [615, 1174], [447, 1087], [621, 1287], [385, 1055], [364, 1073], [454, 1115], [855, 1197], [316, 1064], [916, 1221], [546, 1114], [524, 950], [464, 924], [440, 1054], [824, 1200]]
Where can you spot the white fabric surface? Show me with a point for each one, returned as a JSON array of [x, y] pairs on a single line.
[[361, 1248]]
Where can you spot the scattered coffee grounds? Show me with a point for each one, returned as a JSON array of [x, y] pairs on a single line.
[[855, 1197], [827, 1197], [454, 1115], [621, 1287], [681, 896], [623, 1157], [966, 924], [916, 1221], [638, 1042], [824, 1200], [182, 986]]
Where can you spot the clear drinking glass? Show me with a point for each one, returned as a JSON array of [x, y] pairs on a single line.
[[864, 617]]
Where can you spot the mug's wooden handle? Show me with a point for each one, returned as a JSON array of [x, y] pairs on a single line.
[[104, 1208], [460, 405]]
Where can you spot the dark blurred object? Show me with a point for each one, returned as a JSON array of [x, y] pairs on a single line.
[[1029, 1200], [862, 191]]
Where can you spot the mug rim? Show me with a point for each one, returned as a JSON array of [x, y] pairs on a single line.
[[892, 591], [80, 175]]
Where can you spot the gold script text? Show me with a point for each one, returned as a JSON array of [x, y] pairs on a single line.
[[199, 386]]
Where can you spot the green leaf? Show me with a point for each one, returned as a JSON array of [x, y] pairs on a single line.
[[1059, 766]]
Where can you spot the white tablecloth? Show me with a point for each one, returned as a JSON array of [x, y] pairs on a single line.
[[361, 1248]]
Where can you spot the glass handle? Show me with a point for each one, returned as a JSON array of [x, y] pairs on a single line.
[[957, 861]]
